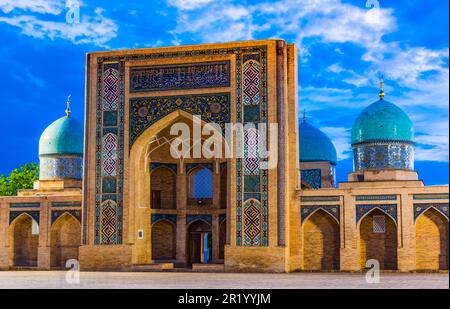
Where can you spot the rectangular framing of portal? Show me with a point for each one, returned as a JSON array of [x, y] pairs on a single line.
[[133, 252]]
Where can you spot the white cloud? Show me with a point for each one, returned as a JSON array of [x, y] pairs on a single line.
[[96, 29], [53, 7], [189, 4], [340, 137]]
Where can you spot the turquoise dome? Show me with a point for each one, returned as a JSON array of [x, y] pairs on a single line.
[[62, 137], [315, 145], [382, 121]]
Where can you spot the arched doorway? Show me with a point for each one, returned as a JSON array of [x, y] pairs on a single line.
[[321, 242], [199, 238], [378, 240], [65, 240], [163, 182], [24, 241], [163, 241], [431, 241]]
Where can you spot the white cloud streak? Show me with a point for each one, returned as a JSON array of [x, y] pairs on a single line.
[[96, 29]]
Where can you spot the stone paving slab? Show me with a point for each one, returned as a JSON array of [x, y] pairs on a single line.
[[114, 280]]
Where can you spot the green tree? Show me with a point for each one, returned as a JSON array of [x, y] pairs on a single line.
[[20, 178]]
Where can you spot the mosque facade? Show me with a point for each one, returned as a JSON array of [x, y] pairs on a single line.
[[118, 198]]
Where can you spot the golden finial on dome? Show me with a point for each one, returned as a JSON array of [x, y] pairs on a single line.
[[68, 105], [381, 87]]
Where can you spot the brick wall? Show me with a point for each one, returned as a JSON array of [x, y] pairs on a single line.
[[321, 242], [431, 241]]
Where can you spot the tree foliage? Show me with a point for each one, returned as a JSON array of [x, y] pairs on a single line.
[[22, 177]]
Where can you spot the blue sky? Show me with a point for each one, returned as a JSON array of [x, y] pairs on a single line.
[[343, 48]]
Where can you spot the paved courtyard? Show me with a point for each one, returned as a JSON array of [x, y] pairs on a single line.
[[174, 280]]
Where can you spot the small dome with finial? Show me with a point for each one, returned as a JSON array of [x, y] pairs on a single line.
[[64, 136], [314, 145], [382, 121]]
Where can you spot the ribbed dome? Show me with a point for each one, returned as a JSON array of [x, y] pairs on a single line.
[[315, 145], [382, 121], [64, 136]]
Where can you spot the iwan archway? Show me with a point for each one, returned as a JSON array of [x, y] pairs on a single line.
[[134, 96], [176, 186]]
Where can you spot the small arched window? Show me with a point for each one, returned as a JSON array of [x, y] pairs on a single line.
[[202, 183]]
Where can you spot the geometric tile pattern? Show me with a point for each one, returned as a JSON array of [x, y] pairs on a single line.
[[180, 76], [110, 119], [320, 198], [376, 198], [252, 83], [421, 208], [14, 214], [389, 209], [108, 222], [144, 112], [61, 167], [171, 218], [190, 166], [252, 213], [333, 210], [171, 166], [109, 154], [192, 218], [24, 205], [58, 213], [202, 181], [312, 178], [381, 155], [251, 153], [430, 196], [379, 224], [252, 223]]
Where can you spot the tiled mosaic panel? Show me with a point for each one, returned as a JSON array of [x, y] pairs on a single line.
[[192, 218], [383, 155], [421, 208], [144, 112], [389, 209], [430, 196], [24, 205], [180, 76], [252, 213], [60, 167], [110, 117], [312, 177], [252, 83], [333, 210], [251, 152], [110, 218], [171, 218], [320, 198], [389, 197], [109, 155], [252, 223], [15, 214], [171, 166], [56, 214], [191, 166]]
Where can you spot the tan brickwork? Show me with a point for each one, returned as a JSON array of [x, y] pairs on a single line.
[[163, 241], [431, 241], [321, 242]]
